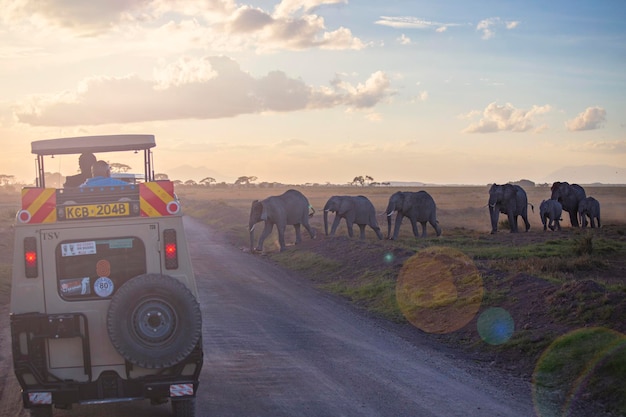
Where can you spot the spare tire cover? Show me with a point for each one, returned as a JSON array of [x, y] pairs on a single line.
[[154, 321]]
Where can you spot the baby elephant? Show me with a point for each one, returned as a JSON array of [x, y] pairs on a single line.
[[355, 209], [550, 212], [589, 207]]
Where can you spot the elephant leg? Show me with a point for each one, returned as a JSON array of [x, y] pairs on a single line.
[[435, 225], [335, 224], [266, 232], [362, 234], [424, 232], [350, 227], [414, 226], [296, 227], [513, 222], [378, 232], [598, 220], [573, 218], [396, 229], [308, 228], [558, 224], [526, 222]]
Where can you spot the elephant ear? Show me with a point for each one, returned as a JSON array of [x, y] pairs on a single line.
[[344, 206], [263, 212]]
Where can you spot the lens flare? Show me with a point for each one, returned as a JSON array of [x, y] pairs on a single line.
[[581, 365], [495, 326], [388, 258], [439, 290]]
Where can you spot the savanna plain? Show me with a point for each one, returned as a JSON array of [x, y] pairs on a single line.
[[549, 307]]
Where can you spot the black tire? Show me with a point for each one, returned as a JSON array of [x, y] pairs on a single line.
[[154, 321], [184, 408], [41, 411]]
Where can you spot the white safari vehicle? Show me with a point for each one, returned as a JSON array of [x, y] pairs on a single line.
[[103, 300]]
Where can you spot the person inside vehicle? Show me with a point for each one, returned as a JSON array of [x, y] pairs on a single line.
[[101, 176], [85, 161]]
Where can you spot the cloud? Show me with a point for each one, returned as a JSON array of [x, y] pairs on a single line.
[[407, 22], [613, 148], [591, 118], [404, 40], [291, 26], [496, 118], [488, 26], [220, 90]]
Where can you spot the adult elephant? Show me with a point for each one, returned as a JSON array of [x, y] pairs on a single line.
[[289, 208], [589, 207], [508, 199], [354, 209], [417, 206], [569, 196]]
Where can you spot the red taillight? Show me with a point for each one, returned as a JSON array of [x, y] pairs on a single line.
[[30, 257], [170, 247]]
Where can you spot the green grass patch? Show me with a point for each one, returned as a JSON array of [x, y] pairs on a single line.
[[306, 262], [372, 290], [586, 363]]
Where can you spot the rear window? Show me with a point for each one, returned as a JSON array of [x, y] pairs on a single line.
[[96, 268]]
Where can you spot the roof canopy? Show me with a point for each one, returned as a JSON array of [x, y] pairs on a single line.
[[93, 144]]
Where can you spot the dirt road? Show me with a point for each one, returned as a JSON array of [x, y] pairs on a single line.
[[275, 346]]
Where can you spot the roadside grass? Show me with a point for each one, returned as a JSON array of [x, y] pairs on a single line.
[[372, 290], [586, 363]]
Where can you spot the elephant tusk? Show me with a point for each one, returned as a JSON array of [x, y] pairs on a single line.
[[390, 214], [252, 228]]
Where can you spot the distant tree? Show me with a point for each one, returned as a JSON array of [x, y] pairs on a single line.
[[177, 182], [190, 182], [6, 179], [53, 179], [161, 177], [117, 167], [245, 181], [358, 180], [369, 179], [524, 183], [207, 181]]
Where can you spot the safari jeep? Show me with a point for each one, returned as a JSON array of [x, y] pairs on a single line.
[[104, 300]]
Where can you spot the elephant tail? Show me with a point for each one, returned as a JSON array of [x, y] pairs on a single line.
[[311, 211], [532, 207]]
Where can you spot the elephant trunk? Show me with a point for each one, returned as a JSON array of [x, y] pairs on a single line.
[[389, 213], [252, 226], [325, 221]]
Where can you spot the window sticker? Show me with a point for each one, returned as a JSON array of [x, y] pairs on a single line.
[[121, 243], [103, 287], [75, 287], [78, 248]]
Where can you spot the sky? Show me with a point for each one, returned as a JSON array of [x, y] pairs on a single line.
[[322, 91]]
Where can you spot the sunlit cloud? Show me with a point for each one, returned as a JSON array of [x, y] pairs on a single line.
[[291, 7], [404, 40], [497, 118], [591, 118], [207, 88], [407, 22], [214, 22], [489, 26]]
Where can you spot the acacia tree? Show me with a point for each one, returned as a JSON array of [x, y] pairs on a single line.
[[360, 180], [117, 167], [245, 181], [207, 181]]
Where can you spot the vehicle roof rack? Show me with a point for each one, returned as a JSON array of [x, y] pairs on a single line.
[[93, 144]]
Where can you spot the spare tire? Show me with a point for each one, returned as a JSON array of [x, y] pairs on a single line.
[[154, 321]]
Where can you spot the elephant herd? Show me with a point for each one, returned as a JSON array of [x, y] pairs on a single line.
[[511, 200], [293, 208]]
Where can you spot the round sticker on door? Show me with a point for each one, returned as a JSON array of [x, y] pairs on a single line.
[[103, 286]]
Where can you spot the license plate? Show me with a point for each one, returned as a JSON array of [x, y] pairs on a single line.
[[91, 211]]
